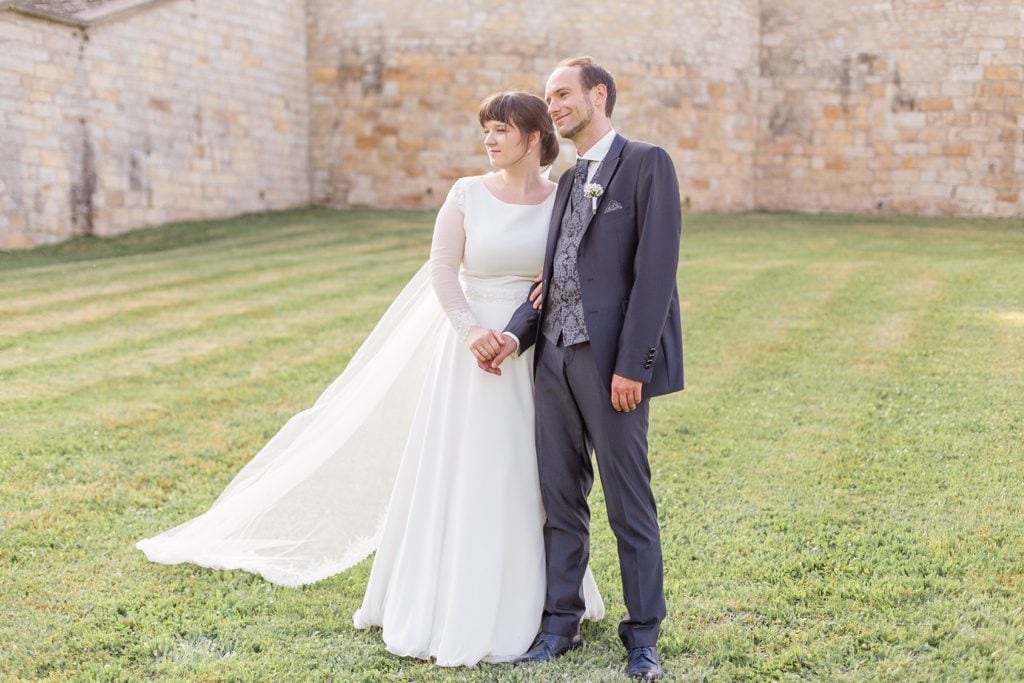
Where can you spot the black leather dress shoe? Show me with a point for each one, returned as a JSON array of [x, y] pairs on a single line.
[[644, 664], [547, 646]]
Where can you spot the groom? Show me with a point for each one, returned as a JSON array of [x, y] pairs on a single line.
[[608, 339]]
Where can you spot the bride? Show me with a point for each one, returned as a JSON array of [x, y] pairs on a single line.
[[414, 451]]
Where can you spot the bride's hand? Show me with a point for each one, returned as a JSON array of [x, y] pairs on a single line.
[[483, 343]]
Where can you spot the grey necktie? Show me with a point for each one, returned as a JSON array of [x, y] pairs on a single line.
[[582, 166]]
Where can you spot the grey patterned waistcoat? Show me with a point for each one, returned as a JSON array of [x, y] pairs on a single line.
[[563, 300]]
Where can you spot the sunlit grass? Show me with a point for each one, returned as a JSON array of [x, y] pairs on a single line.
[[841, 486]]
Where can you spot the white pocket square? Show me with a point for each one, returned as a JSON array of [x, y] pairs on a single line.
[[612, 206]]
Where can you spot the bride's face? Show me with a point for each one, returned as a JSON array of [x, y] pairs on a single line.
[[505, 145]]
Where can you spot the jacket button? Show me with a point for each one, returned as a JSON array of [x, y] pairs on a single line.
[[652, 349]]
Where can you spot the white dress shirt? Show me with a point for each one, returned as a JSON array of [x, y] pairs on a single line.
[[596, 154]]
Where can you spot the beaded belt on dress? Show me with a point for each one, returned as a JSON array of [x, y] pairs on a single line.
[[514, 293]]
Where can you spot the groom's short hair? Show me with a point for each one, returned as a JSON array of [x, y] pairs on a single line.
[[592, 73]]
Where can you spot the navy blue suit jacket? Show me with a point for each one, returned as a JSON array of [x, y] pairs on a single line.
[[627, 264]]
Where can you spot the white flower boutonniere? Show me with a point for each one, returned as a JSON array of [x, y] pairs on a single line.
[[593, 192]]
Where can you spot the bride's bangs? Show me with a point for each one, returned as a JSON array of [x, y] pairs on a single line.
[[499, 107]]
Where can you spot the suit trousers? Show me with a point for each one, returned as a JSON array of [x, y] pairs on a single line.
[[575, 414]]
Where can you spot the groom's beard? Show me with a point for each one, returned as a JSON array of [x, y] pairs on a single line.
[[570, 134]]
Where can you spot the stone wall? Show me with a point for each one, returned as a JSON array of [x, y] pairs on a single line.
[[394, 87], [187, 109], [901, 106]]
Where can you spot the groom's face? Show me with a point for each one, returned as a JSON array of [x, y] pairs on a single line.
[[571, 108]]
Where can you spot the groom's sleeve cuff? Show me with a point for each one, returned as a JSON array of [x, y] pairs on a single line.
[[516, 340]]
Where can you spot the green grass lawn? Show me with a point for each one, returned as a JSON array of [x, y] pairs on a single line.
[[841, 486]]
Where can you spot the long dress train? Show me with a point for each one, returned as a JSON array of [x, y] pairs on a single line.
[[417, 453]]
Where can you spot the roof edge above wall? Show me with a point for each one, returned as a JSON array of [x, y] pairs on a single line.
[[83, 19]]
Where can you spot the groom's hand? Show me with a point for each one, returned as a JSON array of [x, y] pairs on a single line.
[[626, 393], [508, 347], [537, 295]]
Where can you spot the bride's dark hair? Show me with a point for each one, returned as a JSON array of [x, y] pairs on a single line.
[[526, 112]]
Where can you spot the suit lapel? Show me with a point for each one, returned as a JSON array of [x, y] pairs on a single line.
[[604, 175]]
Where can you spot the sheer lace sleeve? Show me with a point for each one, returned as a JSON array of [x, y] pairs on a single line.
[[446, 251]]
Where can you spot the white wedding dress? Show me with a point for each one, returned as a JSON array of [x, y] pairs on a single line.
[[417, 453]]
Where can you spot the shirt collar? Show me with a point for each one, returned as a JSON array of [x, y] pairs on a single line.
[[600, 149]]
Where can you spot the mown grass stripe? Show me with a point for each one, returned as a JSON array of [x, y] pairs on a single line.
[[202, 235], [168, 313], [105, 289], [132, 263], [151, 353], [112, 274], [62, 325]]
